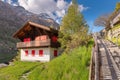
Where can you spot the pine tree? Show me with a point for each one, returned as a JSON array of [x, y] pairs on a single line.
[[73, 30]]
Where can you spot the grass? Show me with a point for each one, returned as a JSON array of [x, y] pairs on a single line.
[[15, 71], [72, 66]]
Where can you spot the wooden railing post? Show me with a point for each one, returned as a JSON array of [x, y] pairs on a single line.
[[96, 60], [94, 66]]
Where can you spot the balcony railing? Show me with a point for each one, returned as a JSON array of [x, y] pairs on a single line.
[[33, 44]]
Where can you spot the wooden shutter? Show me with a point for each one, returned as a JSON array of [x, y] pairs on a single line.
[[26, 52], [55, 53], [33, 52], [40, 52]]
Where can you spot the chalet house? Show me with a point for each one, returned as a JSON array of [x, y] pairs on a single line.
[[38, 42]]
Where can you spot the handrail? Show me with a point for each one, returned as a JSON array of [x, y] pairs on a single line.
[[94, 66], [91, 73], [34, 43], [96, 60]]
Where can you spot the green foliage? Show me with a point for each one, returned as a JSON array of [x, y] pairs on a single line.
[[17, 57], [14, 72], [116, 40], [73, 30], [117, 6], [73, 66], [116, 27], [74, 1]]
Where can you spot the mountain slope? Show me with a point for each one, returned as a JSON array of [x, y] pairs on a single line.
[[11, 19]]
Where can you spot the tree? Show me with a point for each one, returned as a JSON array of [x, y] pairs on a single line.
[[74, 1], [103, 21], [117, 6], [73, 30]]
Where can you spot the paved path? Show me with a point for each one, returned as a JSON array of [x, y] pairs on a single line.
[[109, 55]]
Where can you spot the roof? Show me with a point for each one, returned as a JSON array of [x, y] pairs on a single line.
[[28, 26]]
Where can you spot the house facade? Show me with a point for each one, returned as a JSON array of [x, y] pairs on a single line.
[[37, 42]]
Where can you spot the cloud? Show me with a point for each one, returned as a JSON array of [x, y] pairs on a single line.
[[61, 4], [60, 13], [38, 6], [55, 9], [82, 8], [8, 1]]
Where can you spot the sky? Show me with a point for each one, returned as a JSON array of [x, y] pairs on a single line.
[[56, 9]]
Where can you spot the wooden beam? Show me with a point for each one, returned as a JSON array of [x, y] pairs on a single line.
[[38, 31]]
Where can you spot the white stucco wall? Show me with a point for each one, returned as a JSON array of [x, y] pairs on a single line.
[[44, 58], [48, 54]]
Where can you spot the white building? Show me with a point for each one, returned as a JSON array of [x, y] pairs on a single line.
[[38, 42]]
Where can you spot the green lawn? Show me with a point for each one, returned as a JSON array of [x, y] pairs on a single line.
[[72, 66], [15, 71]]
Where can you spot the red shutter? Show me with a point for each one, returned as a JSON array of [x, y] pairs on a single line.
[[40, 52], [26, 53], [27, 40], [54, 39], [55, 53], [33, 52]]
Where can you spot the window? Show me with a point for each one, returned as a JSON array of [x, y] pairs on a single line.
[[33, 52], [55, 53], [40, 52], [26, 52]]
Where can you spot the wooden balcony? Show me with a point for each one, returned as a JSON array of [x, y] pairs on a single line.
[[32, 44]]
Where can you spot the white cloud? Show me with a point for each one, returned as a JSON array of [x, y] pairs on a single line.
[[38, 6], [8, 1], [61, 4], [60, 13], [82, 8], [15, 4], [46, 6]]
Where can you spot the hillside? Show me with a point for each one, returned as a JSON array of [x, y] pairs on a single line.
[[11, 19], [73, 66]]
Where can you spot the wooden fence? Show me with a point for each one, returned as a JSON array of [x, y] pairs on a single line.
[[94, 64]]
